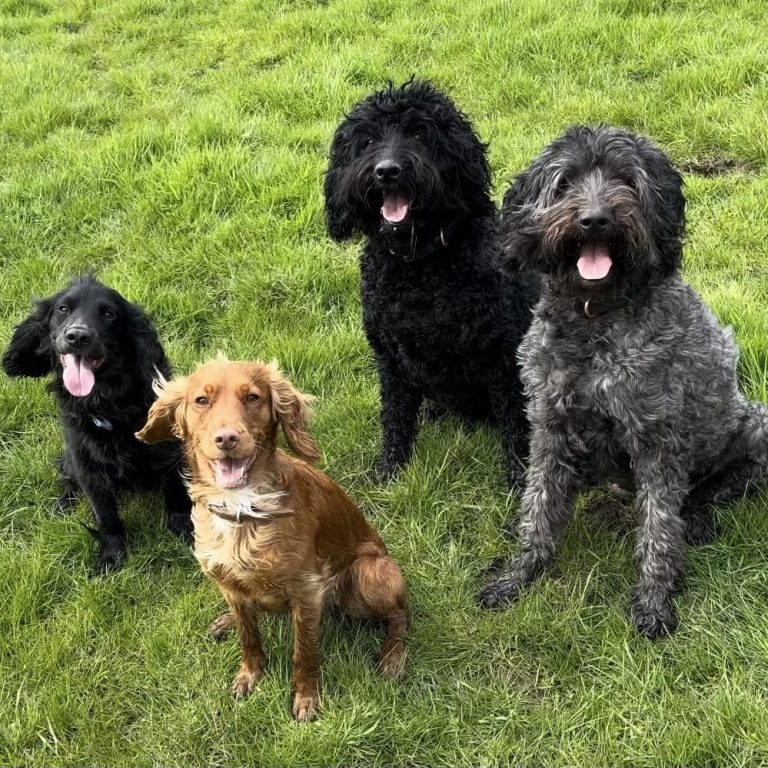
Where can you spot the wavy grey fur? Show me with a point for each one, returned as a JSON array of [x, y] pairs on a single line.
[[644, 395]]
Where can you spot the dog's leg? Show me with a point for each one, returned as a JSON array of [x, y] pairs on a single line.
[[245, 619], [69, 487], [100, 492], [660, 549], [305, 614], [746, 470], [400, 405], [178, 507], [546, 507], [220, 628], [376, 590], [508, 406]]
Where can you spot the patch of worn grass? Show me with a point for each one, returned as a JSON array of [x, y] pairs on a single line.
[[176, 147]]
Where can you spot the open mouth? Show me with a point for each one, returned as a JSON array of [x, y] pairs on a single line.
[[594, 261], [395, 207], [230, 472], [79, 378]]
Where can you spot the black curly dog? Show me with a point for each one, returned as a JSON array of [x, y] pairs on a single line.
[[409, 173], [630, 377], [104, 354]]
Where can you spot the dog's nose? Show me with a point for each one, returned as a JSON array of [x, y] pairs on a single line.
[[226, 439], [595, 220], [387, 170], [78, 335]]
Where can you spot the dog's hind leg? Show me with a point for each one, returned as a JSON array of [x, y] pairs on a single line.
[[375, 589], [745, 471], [546, 508], [508, 405]]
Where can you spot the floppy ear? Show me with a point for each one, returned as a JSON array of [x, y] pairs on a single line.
[[166, 417], [291, 409], [30, 352], [339, 217], [150, 356]]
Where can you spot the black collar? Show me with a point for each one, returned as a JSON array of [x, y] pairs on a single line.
[[252, 514], [418, 248], [594, 307]]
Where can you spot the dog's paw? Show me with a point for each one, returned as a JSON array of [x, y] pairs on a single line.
[[220, 628], [392, 662], [515, 477], [654, 615], [305, 707], [701, 529], [180, 524], [385, 471], [63, 505], [245, 681], [499, 593], [112, 556]]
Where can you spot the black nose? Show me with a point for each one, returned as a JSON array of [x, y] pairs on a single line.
[[78, 336], [387, 170], [596, 220]]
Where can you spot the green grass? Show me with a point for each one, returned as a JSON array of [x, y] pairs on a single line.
[[176, 147]]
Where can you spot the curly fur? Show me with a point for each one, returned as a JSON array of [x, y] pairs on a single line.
[[442, 320], [102, 461], [643, 394]]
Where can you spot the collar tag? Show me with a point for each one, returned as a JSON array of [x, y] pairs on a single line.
[[102, 423]]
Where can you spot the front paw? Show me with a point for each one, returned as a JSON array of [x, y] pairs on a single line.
[[386, 470], [305, 707], [499, 593], [180, 524], [245, 682], [515, 476], [700, 528], [653, 613], [112, 555], [63, 505], [221, 628]]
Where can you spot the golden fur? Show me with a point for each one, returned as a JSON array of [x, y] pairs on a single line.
[[292, 539]]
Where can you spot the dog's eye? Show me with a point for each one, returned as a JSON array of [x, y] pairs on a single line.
[[63, 309], [252, 397], [108, 314], [202, 401]]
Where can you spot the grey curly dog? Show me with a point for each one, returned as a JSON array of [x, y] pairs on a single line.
[[630, 378]]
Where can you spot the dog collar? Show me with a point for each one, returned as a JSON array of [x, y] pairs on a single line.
[[242, 514], [102, 423], [594, 307], [441, 240]]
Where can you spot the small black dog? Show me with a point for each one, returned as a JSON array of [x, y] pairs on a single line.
[[631, 380], [105, 354], [409, 173]]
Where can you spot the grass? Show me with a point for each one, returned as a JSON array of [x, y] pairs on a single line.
[[176, 148]]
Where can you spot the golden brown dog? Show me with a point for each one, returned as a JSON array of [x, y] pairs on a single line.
[[271, 530]]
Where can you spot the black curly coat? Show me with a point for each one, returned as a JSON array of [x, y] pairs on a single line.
[[113, 344], [409, 173]]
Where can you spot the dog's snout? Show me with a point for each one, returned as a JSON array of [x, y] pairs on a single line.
[[78, 336], [387, 170], [595, 220], [226, 439]]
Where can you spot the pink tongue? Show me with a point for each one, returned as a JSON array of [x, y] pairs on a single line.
[[395, 207], [594, 262], [230, 473], [78, 375]]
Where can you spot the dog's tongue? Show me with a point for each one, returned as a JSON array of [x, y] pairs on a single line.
[[78, 375], [395, 207], [594, 262], [230, 473]]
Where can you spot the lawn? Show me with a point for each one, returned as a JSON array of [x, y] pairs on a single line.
[[176, 148]]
